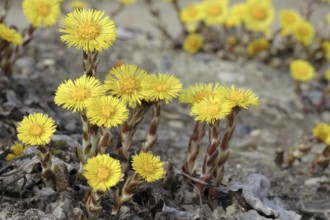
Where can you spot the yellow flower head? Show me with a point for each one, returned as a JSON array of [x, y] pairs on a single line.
[[89, 30], [127, 2], [193, 43], [106, 111], [257, 46], [73, 95], [42, 13], [239, 97], [327, 74], [36, 129], [102, 172], [192, 13], [196, 93], [325, 45], [259, 15], [17, 151], [322, 131], [10, 35], [161, 87], [77, 4], [211, 109], [215, 11], [289, 19], [148, 166], [236, 15], [301, 70], [124, 82], [304, 32]]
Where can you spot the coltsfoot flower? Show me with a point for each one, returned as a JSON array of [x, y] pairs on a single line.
[[211, 109], [17, 150], [259, 15], [10, 35], [215, 12], [322, 132], [304, 32], [257, 46], [289, 19], [42, 13], [125, 82], [102, 172], [192, 13], [73, 95], [161, 87], [301, 70], [239, 97], [148, 166], [36, 129], [193, 43], [236, 15], [106, 111], [196, 93], [88, 29]]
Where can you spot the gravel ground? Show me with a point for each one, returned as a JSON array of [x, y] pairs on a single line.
[[278, 121]]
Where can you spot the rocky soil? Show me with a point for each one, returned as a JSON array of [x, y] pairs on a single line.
[[253, 188]]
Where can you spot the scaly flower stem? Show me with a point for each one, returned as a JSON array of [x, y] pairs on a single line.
[[127, 132], [152, 133], [90, 62], [47, 174], [224, 146], [323, 159], [210, 159], [106, 140], [193, 147], [90, 141], [130, 187], [93, 203]]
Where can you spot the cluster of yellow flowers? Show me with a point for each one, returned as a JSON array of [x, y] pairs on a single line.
[[253, 16], [106, 105], [122, 100], [212, 102]]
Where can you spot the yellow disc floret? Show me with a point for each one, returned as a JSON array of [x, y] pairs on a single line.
[[102, 172], [106, 111], [193, 43], [239, 97], [301, 70], [73, 95], [211, 109], [148, 166], [259, 15], [36, 129], [304, 32], [161, 87], [41, 13], [257, 46], [125, 82], [89, 30]]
